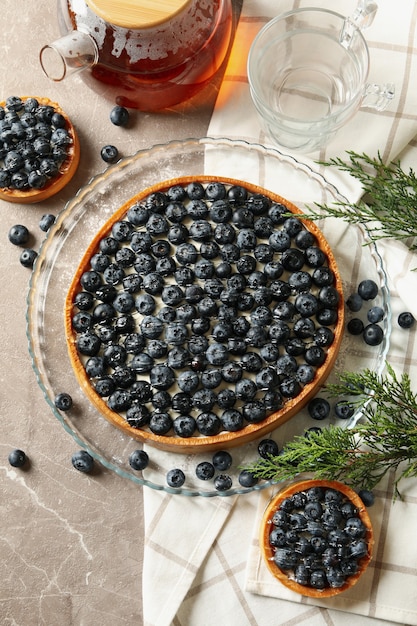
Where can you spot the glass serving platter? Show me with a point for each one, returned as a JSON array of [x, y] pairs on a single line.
[[93, 205]]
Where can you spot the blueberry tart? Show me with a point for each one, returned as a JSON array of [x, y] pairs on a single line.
[[204, 314], [39, 149], [316, 538]]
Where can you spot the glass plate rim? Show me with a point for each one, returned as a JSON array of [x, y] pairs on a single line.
[[89, 187]]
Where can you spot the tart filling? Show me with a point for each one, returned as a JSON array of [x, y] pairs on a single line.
[[316, 538], [204, 314], [39, 149]]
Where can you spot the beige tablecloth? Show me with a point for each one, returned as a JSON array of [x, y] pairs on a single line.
[[202, 564]]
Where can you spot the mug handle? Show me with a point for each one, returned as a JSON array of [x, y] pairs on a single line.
[[378, 96]]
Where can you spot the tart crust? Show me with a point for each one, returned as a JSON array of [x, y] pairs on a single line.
[[67, 168], [268, 551], [225, 439]]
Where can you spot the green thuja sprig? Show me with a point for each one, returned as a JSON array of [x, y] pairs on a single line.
[[388, 207], [386, 438]]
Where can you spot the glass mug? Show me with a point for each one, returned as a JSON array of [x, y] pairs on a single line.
[[307, 72]]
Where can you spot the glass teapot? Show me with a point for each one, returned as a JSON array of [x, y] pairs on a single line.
[[153, 55]]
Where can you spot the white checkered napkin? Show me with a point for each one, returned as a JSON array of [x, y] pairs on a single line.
[[393, 59], [202, 565]]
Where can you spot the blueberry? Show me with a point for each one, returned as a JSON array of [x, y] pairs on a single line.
[[358, 548], [18, 235], [222, 460], [306, 304], [253, 411], [373, 334], [178, 357], [406, 319], [247, 479], [160, 423], [217, 354], [137, 415], [344, 410], [290, 388], [375, 314], [184, 426], [28, 257], [245, 389], [305, 373], [208, 423], [232, 420], [223, 482], [204, 470], [120, 400], [63, 401], [17, 458], [368, 289], [175, 478], [354, 302], [162, 377], [109, 153], [82, 461], [355, 326], [267, 448], [366, 496], [195, 191], [188, 381], [119, 116], [138, 460], [285, 558], [105, 386], [355, 528], [319, 408]]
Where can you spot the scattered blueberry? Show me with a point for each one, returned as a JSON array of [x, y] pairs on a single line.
[[175, 478], [82, 461], [205, 470], [368, 289], [355, 326], [247, 479], [109, 153], [354, 302], [139, 460], [319, 408], [119, 116], [28, 257], [406, 319], [46, 222], [343, 409], [373, 334], [222, 460], [375, 314], [367, 497], [267, 448], [18, 235], [223, 482], [17, 458], [63, 401]]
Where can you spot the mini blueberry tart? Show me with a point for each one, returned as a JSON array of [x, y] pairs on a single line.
[[316, 538], [204, 314], [39, 149]]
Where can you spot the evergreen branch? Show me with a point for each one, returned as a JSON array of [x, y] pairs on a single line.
[[389, 205], [360, 456]]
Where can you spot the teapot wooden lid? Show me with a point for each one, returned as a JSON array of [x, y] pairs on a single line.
[[134, 14]]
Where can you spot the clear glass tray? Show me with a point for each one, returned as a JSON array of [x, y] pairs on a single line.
[[68, 239]]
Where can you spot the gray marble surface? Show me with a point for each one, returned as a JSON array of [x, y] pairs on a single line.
[[70, 544]]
